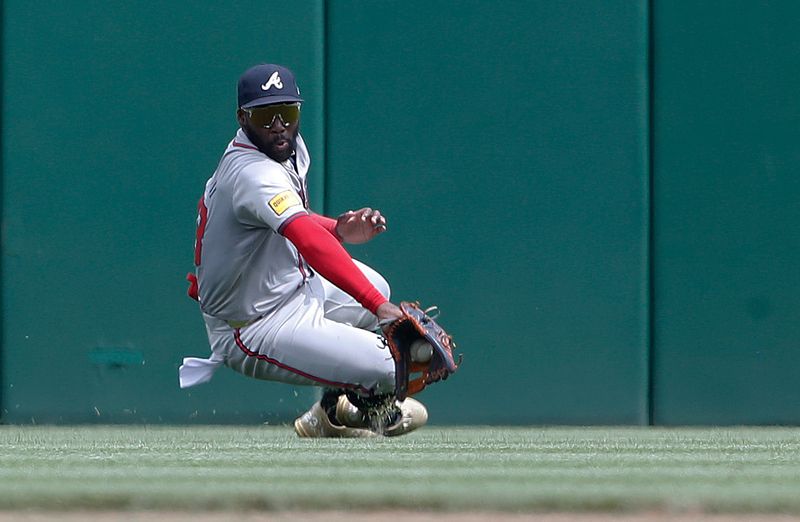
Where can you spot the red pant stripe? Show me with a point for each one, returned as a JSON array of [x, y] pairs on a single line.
[[262, 357]]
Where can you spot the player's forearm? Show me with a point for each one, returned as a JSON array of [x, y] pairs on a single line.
[[328, 224], [331, 260]]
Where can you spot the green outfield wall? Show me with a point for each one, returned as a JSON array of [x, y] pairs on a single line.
[[509, 149], [114, 115], [726, 171], [601, 196]]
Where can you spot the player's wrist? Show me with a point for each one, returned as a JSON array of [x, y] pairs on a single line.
[[373, 301], [336, 233]]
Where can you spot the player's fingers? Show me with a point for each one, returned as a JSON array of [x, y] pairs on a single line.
[[377, 219], [378, 223], [365, 213]]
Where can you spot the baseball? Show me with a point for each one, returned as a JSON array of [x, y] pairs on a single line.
[[421, 351]]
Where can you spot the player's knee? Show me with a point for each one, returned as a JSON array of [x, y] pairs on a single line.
[[377, 375], [376, 279], [382, 384], [382, 286]]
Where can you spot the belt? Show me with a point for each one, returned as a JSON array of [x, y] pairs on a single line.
[[243, 324]]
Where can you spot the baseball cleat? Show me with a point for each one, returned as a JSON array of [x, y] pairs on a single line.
[[315, 424], [412, 415]]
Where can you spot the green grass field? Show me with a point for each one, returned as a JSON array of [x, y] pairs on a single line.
[[437, 468]]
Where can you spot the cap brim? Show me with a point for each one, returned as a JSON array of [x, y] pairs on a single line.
[[272, 100]]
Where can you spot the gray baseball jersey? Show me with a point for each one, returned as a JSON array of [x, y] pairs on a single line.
[[246, 268], [308, 331]]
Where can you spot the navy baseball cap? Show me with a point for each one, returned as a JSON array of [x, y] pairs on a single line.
[[266, 84]]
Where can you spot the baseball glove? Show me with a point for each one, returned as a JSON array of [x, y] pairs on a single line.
[[407, 338]]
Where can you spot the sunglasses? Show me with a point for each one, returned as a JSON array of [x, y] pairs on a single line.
[[265, 116]]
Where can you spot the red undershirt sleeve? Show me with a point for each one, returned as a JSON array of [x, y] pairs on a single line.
[[327, 223], [325, 255]]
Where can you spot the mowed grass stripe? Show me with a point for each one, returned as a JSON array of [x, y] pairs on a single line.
[[451, 469], [524, 469]]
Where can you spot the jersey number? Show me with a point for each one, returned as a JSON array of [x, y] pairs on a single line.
[[202, 218]]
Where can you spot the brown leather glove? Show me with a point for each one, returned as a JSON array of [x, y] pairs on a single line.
[[406, 337]]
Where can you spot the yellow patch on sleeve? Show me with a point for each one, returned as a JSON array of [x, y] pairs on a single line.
[[284, 201]]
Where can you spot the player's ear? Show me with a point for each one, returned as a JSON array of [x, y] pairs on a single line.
[[241, 117]]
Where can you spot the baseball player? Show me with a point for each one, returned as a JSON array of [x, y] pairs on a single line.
[[281, 298]]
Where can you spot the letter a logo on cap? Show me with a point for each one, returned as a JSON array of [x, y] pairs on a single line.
[[274, 80]]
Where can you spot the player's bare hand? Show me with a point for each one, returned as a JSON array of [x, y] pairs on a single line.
[[388, 312], [359, 226]]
